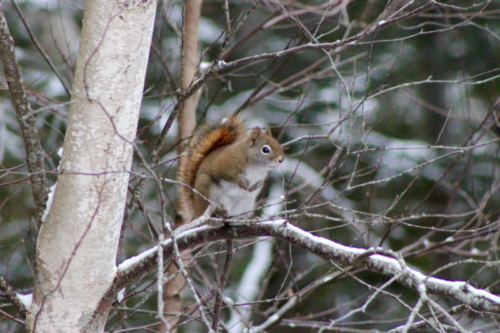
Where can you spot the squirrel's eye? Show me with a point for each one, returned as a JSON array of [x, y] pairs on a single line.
[[266, 149]]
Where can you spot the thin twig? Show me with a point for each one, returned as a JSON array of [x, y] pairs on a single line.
[[159, 285], [222, 284], [45, 56]]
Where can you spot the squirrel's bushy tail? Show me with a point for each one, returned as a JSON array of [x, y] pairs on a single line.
[[204, 141]]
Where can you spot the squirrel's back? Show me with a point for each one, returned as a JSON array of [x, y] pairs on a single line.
[[204, 141]]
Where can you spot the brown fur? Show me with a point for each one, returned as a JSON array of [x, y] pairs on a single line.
[[206, 140]]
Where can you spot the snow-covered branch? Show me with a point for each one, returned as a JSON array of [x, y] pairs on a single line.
[[369, 259], [16, 299]]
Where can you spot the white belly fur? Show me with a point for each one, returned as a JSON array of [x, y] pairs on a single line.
[[236, 200]]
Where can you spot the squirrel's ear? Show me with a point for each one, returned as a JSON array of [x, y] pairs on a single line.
[[268, 132], [254, 136]]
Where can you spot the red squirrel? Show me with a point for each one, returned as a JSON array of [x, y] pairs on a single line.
[[227, 168]]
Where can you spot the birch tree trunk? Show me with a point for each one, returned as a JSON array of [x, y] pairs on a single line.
[[77, 245]]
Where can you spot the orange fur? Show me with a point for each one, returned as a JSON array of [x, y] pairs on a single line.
[[206, 140]]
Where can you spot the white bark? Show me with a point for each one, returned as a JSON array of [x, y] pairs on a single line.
[[77, 245]]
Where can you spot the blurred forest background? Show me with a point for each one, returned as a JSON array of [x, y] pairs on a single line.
[[399, 147]]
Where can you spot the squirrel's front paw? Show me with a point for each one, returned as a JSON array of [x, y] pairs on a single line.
[[220, 211]]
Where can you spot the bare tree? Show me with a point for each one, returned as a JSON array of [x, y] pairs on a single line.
[[384, 216]]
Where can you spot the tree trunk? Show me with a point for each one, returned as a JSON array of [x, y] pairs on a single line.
[[77, 245], [173, 296]]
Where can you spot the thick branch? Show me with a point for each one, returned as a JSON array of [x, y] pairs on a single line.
[[322, 247], [27, 120]]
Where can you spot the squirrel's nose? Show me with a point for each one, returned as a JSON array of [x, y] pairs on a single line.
[[281, 158]]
